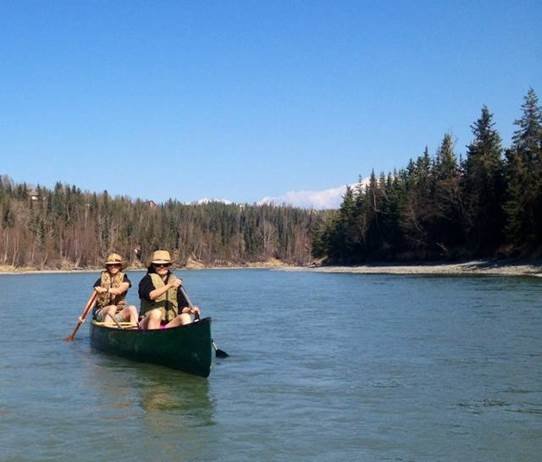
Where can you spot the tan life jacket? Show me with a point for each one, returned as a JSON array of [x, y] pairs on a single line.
[[108, 282], [167, 302]]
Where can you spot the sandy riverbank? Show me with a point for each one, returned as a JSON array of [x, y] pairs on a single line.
[[482, 267]]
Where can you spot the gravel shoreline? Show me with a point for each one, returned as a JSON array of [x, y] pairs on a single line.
[[476, 267], [480, 267], [16, 271]]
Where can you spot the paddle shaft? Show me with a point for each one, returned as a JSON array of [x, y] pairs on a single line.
[[219, 353], [83, 316], [186, 297]]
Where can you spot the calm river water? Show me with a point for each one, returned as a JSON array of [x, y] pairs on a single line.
[[323, 367]]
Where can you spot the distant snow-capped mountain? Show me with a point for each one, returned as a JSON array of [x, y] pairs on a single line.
[[330, 198], [207, 200]]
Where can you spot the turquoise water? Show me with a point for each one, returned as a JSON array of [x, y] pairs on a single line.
[[323, 367]]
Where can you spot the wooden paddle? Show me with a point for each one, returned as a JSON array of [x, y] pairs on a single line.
[[219, 353], [83, 317]]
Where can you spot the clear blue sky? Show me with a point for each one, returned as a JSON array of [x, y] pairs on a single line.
[[245, 99]]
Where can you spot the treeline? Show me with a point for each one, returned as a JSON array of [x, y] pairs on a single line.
[[64, 227], [488, 204]]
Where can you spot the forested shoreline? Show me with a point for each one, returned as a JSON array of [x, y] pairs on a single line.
[[485, 205], [66, 228]]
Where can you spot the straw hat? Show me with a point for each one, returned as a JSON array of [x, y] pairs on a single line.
[[113, 259], [161, 256]]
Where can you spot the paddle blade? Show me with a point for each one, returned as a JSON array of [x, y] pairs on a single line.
[[221, 353]]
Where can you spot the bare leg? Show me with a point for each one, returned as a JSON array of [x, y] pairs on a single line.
[[129, 314], [180, 320], [133, 314], [109, 310], [151, 320]]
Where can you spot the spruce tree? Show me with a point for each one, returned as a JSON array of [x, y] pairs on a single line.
[[417, 206], [346, 228], [483, 186], [523, 206], [446, 220]]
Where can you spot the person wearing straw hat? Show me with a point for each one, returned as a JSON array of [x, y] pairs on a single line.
[[111, 287], [163, 305]]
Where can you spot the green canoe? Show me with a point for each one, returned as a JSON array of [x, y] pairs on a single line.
[[187, 348]]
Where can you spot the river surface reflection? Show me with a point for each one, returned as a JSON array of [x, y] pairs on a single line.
[[168, 408], [323, 367]]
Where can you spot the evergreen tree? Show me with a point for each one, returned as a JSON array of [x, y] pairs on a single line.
[[346, 235], [524, 175], [373, 213], [417, 207], [447, 211], [483, 186]]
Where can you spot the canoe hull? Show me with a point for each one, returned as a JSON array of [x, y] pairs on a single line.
[[187, 348]]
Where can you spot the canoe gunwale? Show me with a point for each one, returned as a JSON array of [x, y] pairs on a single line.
[[187, 348], [151, 331]]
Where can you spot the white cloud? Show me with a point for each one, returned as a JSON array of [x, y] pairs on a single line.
[[325, 199]]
